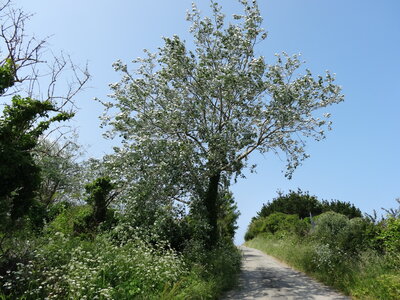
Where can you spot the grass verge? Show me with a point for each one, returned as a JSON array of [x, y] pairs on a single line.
[[367, 275]]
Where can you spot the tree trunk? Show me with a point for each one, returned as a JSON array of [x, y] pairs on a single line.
[[210, 202]]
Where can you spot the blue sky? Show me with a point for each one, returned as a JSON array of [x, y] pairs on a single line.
[[358, 40]]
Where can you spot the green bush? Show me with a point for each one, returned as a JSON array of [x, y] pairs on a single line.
[[280, 222], [340, 233], [294, 203], [71, 220], [57, 208], [345, 208], [356, 238], [277, 222], [390, 235], [303, 204], [381, 286], [256, 227], [369, 275], [78, 220], [330, 228]]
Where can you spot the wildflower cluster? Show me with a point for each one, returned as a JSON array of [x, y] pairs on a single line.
[[102, 269]]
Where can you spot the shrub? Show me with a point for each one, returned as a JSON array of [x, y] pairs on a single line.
[[294, 203], [280, 222], [390, 235], [356, 238], [277, 222], [57, 208], [329, 228], [303, 204], [71, 220], [344, 208], [256, 227], [350, 236]]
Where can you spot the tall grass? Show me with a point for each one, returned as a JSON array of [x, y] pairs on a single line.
[[368, 275]]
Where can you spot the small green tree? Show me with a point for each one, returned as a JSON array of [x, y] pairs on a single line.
[[210, 107], [100, 197], [227, 216]]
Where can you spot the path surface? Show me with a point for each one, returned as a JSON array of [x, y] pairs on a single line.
[[264, 277]]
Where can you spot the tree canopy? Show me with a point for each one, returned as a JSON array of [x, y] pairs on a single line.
[[205, 110]]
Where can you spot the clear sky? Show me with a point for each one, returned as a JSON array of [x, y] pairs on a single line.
[[358, 40]]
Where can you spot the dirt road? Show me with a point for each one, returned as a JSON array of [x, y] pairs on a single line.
[[263, 277]]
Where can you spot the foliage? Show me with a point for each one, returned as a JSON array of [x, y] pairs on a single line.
[[60, 173], [307, 208], [227, 216], [19, 133], [154, 222], [390, 235], [255, 227], [338, 232], [345, 208], [303, 204], [71, 220], [212, 272], [61, 266], [366, 276], [99, 197], [274, 223], [146, 245], [7, 74], [293, 203], [205, 110], [69, 268], [24, 75], [330, 225], [355, 255]]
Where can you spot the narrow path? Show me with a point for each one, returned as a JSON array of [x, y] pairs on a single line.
[[264, 277]]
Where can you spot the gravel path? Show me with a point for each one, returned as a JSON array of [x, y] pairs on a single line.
[[264, 277]]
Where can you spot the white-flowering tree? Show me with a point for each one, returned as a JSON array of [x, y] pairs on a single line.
[[202, 110]]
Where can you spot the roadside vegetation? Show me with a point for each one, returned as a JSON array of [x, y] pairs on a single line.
[[332, 242], [154, 219]]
